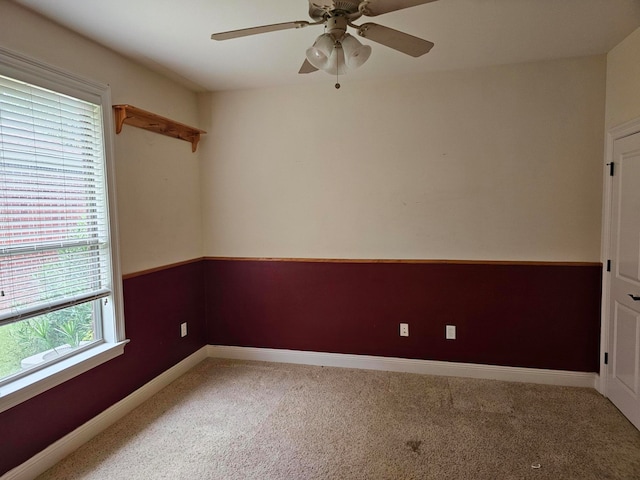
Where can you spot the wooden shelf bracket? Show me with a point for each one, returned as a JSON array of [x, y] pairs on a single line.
[[150, 121]]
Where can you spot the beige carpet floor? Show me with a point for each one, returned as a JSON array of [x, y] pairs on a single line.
[[250, 420]]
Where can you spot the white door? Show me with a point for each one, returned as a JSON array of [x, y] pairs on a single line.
[[623, 369]]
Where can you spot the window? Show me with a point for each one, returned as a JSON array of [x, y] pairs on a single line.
[[60, 299]]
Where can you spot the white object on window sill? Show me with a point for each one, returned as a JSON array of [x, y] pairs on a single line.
[[42, 380]]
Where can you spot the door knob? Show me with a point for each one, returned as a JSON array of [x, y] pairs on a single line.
[[636, 298]]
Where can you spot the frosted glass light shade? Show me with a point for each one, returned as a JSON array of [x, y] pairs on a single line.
[[336, 65], [322, 49], [355, 53]]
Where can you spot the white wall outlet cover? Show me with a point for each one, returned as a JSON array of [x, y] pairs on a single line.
[[183, 329], [404, 329], [451, 332]]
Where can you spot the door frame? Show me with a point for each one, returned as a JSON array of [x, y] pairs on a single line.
[[616, 133]]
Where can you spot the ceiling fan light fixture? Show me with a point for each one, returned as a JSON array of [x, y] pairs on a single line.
[[336, 57], [355, 53]]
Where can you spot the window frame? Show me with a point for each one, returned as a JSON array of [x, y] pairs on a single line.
[[29, 70]]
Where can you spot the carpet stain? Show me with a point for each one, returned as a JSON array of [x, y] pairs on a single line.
[[414, 445]]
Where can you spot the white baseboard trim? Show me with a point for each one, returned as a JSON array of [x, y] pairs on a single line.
[[392, 364], [51, 455]]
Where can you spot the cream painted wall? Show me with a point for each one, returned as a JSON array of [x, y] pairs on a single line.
[[157, 177], [500, 163], [623, 79]]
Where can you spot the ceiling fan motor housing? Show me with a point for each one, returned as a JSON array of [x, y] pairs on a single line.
[[320, 10]]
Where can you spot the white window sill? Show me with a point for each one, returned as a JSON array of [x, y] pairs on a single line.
[[42, 380]]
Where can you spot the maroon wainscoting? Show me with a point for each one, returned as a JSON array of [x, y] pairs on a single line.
[[524, 315], [543, 316], [155, 305]]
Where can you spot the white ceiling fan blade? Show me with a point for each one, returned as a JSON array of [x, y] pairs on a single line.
[[307, 67], [323, 4], [400, 41], [257, 30], [372, 8]]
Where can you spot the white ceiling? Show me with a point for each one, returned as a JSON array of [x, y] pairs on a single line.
[[174, 36]]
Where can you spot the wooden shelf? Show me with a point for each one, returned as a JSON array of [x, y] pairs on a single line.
[[150, 121]]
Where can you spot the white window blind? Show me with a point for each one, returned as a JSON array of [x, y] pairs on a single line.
[[54, 235]]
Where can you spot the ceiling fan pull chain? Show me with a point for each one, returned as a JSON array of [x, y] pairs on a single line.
[[337, 72]]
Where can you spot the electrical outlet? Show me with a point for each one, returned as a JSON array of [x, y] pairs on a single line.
[[451, 332], [183, 329], [404, 329]]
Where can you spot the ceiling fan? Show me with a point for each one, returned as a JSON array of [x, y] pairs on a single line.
[[336, 51]]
